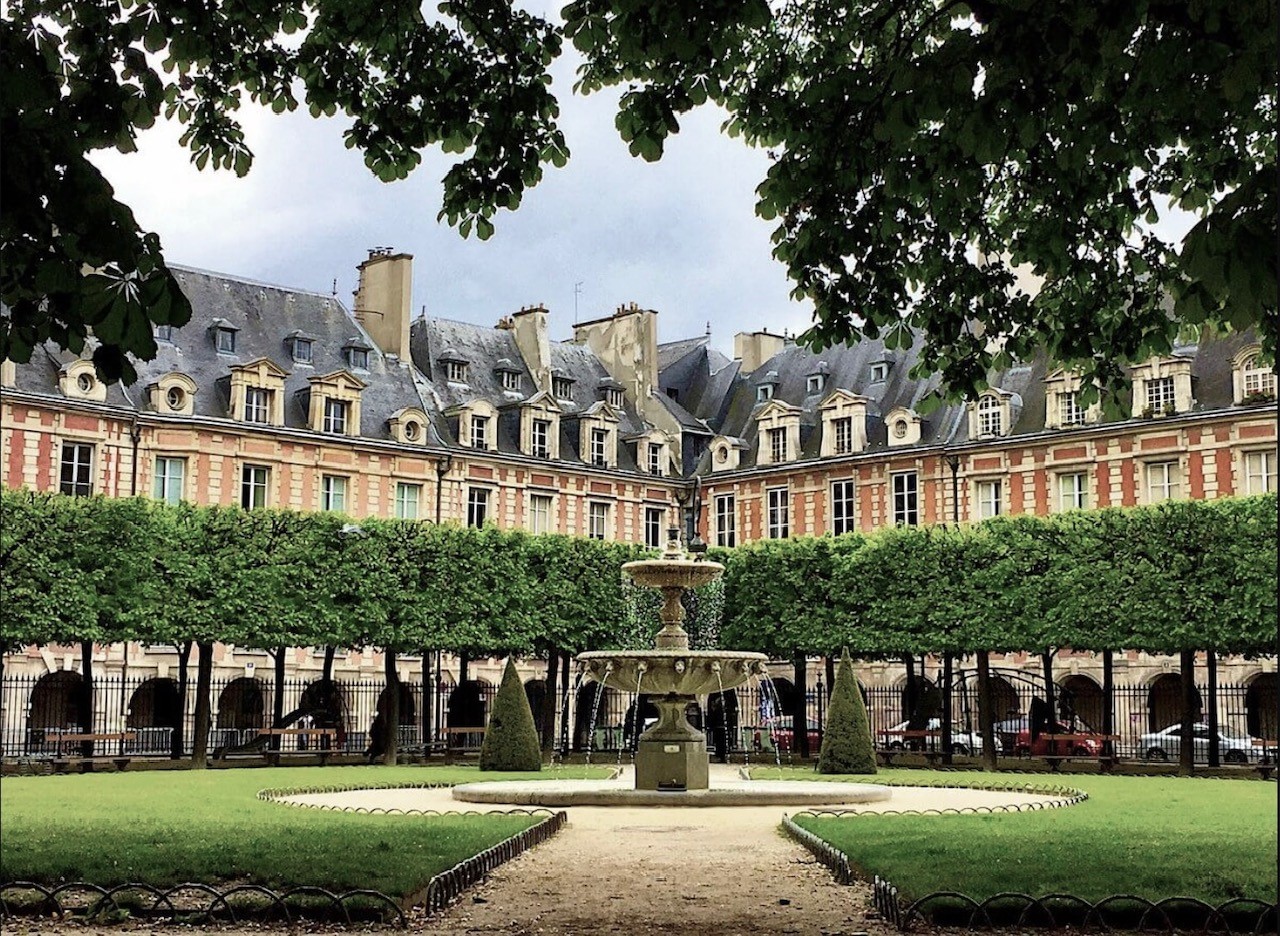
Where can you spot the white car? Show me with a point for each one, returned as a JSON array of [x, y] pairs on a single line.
[[962, 742], [1163, 745]]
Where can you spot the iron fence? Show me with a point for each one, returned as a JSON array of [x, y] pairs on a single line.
[[155, 717]]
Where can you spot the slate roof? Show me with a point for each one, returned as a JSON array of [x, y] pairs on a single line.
[[264, 316]]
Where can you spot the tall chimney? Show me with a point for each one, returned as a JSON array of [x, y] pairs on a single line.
[[383, 299], [754, 348], [530, 329]]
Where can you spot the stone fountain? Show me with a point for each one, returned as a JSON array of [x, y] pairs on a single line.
[[671, 765], [672, 755]]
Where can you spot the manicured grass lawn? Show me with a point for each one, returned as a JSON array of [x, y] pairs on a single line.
[[1151, 836], [167, 827]]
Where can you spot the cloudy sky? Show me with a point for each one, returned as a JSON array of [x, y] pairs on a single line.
[[679, 236]]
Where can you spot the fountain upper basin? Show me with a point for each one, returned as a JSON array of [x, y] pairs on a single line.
[[667, 672], [673, 573]]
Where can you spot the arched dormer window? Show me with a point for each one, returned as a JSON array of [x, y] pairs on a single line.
[[174, 393], [991, 415], [79, 380], [409, 425], [726, 452], [1253, 381], [903, 425]]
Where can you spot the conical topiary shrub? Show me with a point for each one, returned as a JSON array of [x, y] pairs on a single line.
[[511, 740], [846, 743]]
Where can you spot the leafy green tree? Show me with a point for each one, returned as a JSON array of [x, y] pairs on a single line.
[[511, 741], [846, 741]]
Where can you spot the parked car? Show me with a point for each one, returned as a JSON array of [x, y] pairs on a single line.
[[781, 735], [1167, 743], [1082, 746], [962, 742]]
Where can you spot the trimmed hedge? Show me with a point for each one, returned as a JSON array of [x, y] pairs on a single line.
[[511, 740]]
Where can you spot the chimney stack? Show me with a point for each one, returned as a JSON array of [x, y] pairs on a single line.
[[383, 298], [754, 348], [530, 329]]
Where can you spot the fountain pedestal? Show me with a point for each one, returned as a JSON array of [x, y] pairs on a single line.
[[672, 755]]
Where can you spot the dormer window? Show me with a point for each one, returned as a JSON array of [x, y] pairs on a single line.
[[336, 415], [562, 388], [356, 355], [777, 445], [599, 450], [843, 428], [175, 398], [879, 371], [511, 380], [408, 425], [1258, 379], [456, 372], [815, 384], [540, 439], [163, 332], [764, 393], [412, 431], [1160, 396], [1070, 413], [1062, 406], [990, 416], [613, 396], [480, 432], [1162, 386], [655, 459], [257, 392], [299, 348], [225, 339], [85, 383], [257, 404], [334, 405]]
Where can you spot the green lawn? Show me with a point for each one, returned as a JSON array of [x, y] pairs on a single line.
[[1151, 836], [166, 827]]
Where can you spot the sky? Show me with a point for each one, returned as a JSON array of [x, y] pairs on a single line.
[[679, 236]]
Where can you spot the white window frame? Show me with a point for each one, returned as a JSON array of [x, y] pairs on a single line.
[[1072, 490], [511, 380], [726, 521], [478, 499], [990, 416], [302, 352], [540, 447], [597, 520], [905, 497], [1263, 479], [1163, 480], [1069, 410], [81, 463], [1256, 377], [333, 493], [255, 483], [777, 445], [778, 519], [225, 340], [480, 432], [1161, 395], [407, 506], [599, 444], [455, 371], [843, 506], [356, 358], [842, 429], [764, 393], [879, 372], [169, 485], [257, 405], [815, 383], [655, 459], [614, 397], [653, 519], [562, 388], [989, 496], [337, 414], [541, 507]]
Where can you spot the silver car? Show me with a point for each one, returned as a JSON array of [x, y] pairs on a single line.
[[962, 742], [1166, 744]]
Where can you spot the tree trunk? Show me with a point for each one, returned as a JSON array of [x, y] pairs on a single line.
[[328, 664], [392, 722], [986, 717], [1046, 659], [86, 694], [204, 682], [1211, 716], [177, 742], [277, 706], [911, 695], [831, 675], [1108, 700], [428, 700], [549, 701], [564, 716], [946, 709], [1186, 746], [799, 713]]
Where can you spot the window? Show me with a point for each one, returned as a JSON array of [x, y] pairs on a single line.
[[408, 496], [257, 404], [226, 340], [879, 371], [764, 392], [1160, 395], [655, 459], [77, 469], [597, 520], [164, 332], [815, 383], [562, 388], [253, 486], [1073, 491], [777, 445], [541, 431], [1259, 380], [455, 371], [990, 418], [599, 446], [170, 475], [1069, 411], [357, 358], [906, 509], [335, 416], [726, 521], [1259, 472], [989, 499], [613, 396], [85, 383], [333, 493], [843, 428], [411, 430], [479, 432], [779, 514], [302, 350], [540, 513], [477, 506], [510, 380], [175, 398], [653, 526], [1164, 481], [841, 507]]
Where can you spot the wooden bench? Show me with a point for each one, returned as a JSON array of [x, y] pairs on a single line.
[[452, 746], [1105, 761], [62, 763], [930, 751], [273, 757]]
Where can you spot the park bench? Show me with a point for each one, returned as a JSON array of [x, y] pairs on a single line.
[[928, 739], [1104, 760], [457, 740], [62, 762], [316, 734]]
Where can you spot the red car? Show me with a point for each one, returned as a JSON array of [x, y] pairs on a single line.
[[1079, 746], [781, 736]]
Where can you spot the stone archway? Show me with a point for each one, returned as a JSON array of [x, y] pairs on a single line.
[[325, 704], [241, 712], [409, 729], [1164, 702], [1082, 697], [55, 706], [1262, 707], [468, 705], [535, 691], [592, 705], [722, 724], [155, 714]]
